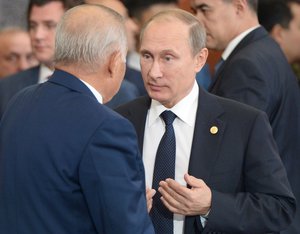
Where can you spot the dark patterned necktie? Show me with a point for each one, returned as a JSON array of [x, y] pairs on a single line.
[[164, 168]]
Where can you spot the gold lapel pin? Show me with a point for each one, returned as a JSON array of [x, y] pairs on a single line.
[[214, 130]]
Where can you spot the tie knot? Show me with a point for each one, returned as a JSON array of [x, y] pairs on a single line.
[[168, 117]]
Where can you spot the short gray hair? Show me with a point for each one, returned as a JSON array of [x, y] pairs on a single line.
[[197, 34], [88, 34]]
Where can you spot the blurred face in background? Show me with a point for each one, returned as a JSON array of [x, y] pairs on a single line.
[[219, 20], [15, 52], [42, 24], [289, 38]]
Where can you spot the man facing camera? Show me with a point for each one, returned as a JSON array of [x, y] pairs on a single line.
[[15, 51], [212, 160], [68, 164]]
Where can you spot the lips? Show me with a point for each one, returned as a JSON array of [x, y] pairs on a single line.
[[154, 87], [40, 47]]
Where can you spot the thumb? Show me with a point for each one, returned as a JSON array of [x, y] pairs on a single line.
[[193, 181]]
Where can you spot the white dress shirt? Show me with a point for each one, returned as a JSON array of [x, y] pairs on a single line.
[[94, 91], [44, 73], [231, 46], [184, 126]]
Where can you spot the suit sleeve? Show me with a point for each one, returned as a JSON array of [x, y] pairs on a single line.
[[112, 178], [265, 202]]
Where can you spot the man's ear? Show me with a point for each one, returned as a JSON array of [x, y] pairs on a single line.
[[115, 63], [200, 59], [239, 5], [277, 32]]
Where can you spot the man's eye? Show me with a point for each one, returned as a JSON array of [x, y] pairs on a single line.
[[11, 58], [168, 58], [32, 26], [146, 56], [51, 25]]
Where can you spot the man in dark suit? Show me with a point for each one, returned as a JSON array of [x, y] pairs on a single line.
[[256, 72], [224, 150], [43, 16], [281, 19], [69, 164]]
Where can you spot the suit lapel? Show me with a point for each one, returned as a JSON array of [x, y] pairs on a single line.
[[206, 141], [137, 114]]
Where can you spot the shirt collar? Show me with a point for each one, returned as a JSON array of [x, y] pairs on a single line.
[[44, 73], [94, 91], [233, 43], [185, 110]]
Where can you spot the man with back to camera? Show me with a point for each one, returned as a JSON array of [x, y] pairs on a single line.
[[213, 161], [69, 164]]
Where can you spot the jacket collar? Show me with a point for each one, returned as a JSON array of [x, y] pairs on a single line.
[[69, 81]]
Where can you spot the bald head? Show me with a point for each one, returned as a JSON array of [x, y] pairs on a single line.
[[116, 5], [88, 34]]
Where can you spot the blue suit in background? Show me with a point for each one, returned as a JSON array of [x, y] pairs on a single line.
[[69, 164]]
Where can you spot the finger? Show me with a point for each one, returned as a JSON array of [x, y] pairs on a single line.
[[149, 205], [193, 181], [150, 193], [179, 189], [169, 206], [175, 200]]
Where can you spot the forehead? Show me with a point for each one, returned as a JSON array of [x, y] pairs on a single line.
[[165, 31], [50, 11]]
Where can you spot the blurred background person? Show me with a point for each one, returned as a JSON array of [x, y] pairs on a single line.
[[15, 51], [43, 16], [255, 71], [281, 18]]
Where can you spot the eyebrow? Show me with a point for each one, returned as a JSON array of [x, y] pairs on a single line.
[[145, 51]]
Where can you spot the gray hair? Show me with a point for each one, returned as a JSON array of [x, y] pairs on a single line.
[[88, 34], [197, 34]]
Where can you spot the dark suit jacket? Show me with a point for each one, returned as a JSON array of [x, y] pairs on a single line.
[[69, 164], [250, 190], [13, 84], [257, 73]]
